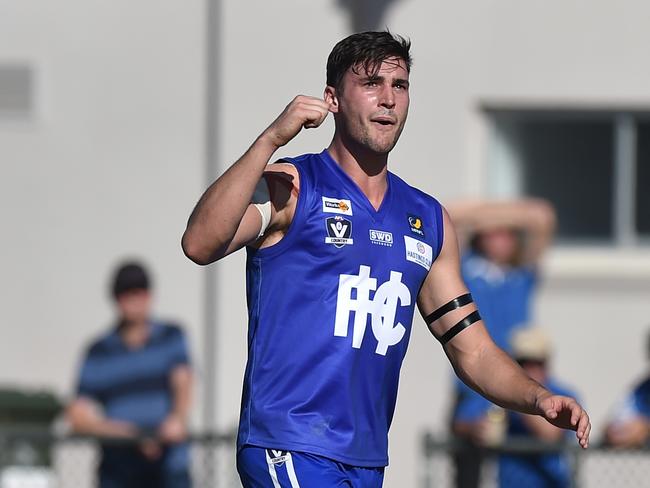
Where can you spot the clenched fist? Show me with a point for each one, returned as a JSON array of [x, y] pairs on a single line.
[[303, 111]]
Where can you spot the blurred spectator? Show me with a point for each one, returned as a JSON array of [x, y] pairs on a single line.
[[135, 382], [531, 349], [630, 426], [502, 243]]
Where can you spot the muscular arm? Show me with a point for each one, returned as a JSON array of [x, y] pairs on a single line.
[[534, 217], [475, 357], [223, 219]]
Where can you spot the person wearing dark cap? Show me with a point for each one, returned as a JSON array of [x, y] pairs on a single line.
[[135, 382]]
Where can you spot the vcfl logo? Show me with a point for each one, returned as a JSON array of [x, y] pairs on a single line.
[[382, 308]]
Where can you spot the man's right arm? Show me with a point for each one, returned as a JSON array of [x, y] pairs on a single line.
[[224, 219]]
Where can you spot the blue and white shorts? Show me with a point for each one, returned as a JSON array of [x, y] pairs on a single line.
[[272, 468]]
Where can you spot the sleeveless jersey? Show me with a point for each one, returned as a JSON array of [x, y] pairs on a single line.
[[330, 312]]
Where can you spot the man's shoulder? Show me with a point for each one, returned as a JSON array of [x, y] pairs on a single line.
[[404, 186], [643, 387], [169, 329], [296, 168], [560, 388], [300, 160], [101, 344]]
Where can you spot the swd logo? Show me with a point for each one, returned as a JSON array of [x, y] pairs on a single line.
[[381, 308]]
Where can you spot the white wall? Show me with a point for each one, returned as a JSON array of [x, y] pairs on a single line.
[[108, 167], [265, 64]]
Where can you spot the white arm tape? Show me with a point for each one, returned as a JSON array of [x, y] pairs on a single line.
[[262, 202]]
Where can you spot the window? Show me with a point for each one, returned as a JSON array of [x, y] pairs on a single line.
[[593, 166], [642, 190], [16, 87]]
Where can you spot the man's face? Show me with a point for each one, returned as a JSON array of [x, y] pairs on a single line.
[[499, 245], [134, 305], [372, 108], [536, 369]]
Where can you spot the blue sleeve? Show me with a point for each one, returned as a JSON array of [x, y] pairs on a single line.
[[558, 388], [470, 406], [86, 385], [532, 275], [180, 349], [640, 400]]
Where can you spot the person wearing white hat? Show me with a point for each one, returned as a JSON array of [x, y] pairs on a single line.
[[531, 348]]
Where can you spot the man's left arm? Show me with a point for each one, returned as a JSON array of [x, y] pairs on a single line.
[[453, 319], [174, 427]]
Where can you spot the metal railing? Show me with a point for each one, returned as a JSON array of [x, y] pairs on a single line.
[[37, 459], [33, 458], [597, 467]]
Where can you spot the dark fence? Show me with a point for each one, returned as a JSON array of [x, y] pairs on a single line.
[[597, 467], [37, 459], [34, 459]]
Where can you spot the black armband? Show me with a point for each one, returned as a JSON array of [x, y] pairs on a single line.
[[457, 302], [459, 327]]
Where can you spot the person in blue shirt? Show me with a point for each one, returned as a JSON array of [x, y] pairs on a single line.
[[630, 426], [503, 242], [340, 250], [135, 383], [531, 348]]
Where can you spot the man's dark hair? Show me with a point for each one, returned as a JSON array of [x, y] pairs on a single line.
[[366, 50], [128, 277]]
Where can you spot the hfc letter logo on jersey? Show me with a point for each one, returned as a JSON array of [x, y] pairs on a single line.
[[339, 231], [382, 308]]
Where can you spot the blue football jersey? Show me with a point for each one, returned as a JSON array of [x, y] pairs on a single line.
[[330, 312]]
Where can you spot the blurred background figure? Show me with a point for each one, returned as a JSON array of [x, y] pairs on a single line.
[[103, 112], [531, 348], [135, 382], [630, 425], [502, 243]]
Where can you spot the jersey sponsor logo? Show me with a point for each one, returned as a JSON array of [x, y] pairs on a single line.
[[339, 231], [416, 225], [418, 252], [337, 206], [277, 458], [382, 308], [381, 237]]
